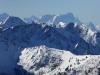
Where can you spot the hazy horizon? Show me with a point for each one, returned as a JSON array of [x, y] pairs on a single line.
[[86, 10]]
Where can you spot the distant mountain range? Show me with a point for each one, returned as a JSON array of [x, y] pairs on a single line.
[[64, 34], [54, 19]]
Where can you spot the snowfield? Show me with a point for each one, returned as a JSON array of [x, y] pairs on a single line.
[[42, 60]]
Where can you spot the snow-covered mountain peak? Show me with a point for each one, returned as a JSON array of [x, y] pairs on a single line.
[[42, 60], [46, 59]]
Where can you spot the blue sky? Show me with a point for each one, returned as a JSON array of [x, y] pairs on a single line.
[[86, 10]]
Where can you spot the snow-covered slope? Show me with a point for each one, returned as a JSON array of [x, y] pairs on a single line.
[[42, 60]]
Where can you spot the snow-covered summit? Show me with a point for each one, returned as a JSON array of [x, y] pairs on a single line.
[[42, 60]]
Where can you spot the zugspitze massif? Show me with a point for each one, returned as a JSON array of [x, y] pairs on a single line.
[[50, 45], [49, 37]]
